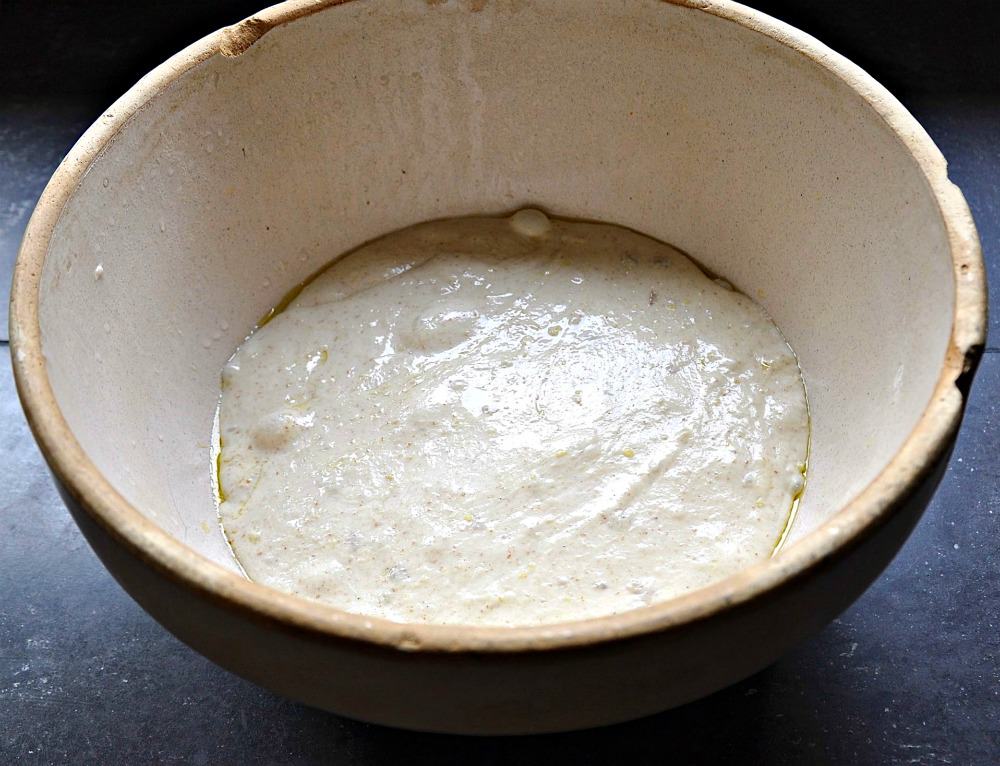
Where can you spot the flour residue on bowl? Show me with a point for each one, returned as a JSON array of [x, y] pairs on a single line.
[[509, 421]]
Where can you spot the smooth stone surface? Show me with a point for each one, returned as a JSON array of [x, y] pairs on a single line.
[[909, 674]]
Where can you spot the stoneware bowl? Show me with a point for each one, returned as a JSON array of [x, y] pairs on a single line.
[[256, 155]]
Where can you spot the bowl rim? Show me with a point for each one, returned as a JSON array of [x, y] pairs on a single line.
[[856, 521]]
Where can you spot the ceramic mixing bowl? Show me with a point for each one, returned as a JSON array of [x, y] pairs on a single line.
[[256, 155]]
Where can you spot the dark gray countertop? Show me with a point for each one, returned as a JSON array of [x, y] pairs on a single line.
[[908, 675]]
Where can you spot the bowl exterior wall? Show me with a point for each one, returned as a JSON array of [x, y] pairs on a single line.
[[512, 693]]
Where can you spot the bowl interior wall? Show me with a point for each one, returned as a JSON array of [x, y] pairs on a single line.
[[249, 173]]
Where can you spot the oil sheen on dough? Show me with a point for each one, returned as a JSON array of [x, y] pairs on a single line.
[[509, 421]]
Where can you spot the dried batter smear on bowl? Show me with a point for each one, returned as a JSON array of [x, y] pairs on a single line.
[[509, 421]]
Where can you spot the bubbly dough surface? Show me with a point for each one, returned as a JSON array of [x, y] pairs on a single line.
[[509, 422]]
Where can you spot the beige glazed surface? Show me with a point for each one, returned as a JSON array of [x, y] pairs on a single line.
[[244, 163]]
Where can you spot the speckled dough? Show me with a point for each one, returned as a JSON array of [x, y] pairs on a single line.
[[509, 422]]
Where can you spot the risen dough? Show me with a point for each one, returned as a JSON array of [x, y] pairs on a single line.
[[511, 422]]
